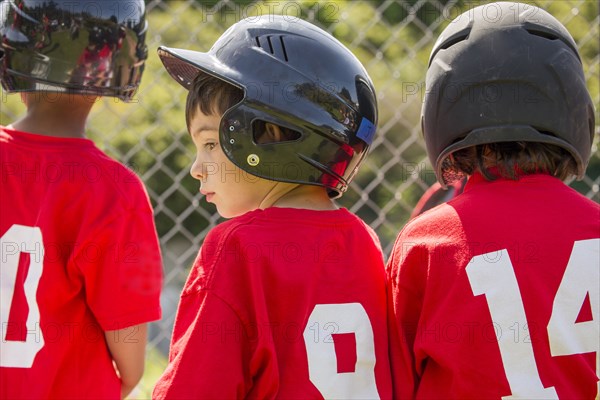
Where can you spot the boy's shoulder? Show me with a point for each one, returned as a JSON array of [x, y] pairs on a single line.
[[439, 221], [486, 203], [276, 237], [115, 180], [284, 223], [70, 162]]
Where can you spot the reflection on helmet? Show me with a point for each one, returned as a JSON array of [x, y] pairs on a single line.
[[84, 47], [299, 77], [505, 72]]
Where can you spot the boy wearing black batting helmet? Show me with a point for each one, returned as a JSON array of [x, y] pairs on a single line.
[[287, 298], [495, 294], [81, 267]]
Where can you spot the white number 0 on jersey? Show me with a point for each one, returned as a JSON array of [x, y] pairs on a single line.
[[20, 239], [497, 281]]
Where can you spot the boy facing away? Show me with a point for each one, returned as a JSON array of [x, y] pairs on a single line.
[[81, 268], [496, 293], [287, 298]]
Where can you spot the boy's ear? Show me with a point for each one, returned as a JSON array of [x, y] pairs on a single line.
[[266, 132], [271, 134]]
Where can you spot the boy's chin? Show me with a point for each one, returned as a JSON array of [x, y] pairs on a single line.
[[228, 213]]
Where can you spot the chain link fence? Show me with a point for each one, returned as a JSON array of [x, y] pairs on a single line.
[[392, 38]]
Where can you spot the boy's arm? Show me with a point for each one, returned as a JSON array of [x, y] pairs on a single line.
[[128, 349]]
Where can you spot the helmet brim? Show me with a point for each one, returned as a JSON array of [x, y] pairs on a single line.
[[185, 65]]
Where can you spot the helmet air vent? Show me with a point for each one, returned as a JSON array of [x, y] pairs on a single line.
[[450, 41], [544, 34], [274, 45], [454, 40]]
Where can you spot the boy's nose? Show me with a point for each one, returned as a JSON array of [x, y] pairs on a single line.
[[196, 170]]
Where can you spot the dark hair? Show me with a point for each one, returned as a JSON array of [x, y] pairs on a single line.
[[211, 95], [511, 160], [214, 96]]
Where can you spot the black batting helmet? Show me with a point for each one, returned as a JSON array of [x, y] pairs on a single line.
[[297, 76], [506, 72], [83, 47]]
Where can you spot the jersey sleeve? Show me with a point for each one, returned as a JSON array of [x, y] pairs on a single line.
[[216, 351], [121, 269], [209, 352]]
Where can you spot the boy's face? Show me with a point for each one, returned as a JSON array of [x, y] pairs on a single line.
[[230, 188]]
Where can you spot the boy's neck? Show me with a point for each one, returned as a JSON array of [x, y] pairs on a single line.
[[309, 197], [63, 117]]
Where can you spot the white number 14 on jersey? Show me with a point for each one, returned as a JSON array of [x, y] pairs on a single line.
[[497, 281]]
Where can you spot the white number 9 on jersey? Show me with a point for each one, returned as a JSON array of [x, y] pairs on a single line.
[[325, 321]]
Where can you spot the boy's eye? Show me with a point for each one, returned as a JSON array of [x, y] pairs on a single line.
[[210, 145]]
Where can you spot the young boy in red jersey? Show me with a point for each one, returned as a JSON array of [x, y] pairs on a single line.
[[495, 294], [287, 298], [81, 269]]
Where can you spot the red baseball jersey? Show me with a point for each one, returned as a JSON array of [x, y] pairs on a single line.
[[282, 303], [436, 195], [495, 294], [80, 257]]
